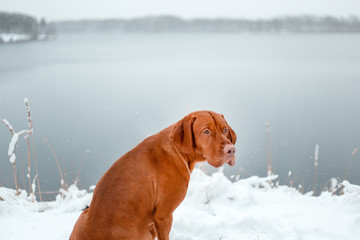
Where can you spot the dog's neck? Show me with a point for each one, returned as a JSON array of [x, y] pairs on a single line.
[[192, 161]]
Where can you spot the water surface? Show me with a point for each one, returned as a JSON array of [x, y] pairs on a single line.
[[97, 96]]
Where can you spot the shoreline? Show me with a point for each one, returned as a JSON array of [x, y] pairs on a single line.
[[17, 38]]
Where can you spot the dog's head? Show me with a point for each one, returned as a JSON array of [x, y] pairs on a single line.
[[207, 133]]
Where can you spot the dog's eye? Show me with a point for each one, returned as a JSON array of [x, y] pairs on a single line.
[[225, 130], [207, 131]]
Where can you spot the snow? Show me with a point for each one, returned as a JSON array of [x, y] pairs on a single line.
[[14, 141], [13, 37], [214, 208], [33, 188], [267, 125], [354, 151], [334, 183], [12, 144], [316, 160], [26, 101], [40, 220], [12, 158], [8, 125]]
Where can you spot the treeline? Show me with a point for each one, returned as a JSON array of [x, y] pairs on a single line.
[[18, 23], [298, 24], [22, 24]]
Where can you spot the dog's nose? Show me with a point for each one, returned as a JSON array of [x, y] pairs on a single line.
[[229, 150]]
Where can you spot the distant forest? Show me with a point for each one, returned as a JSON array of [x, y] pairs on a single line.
[[18, 23], [22, 24], [297, 24]]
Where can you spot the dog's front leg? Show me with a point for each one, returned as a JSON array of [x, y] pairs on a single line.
[[163, 226]]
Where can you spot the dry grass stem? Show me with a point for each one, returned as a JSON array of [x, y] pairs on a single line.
[[29, 168], [31, 130], [268, 149], [36, 168], [63, 185], [316, 163], [21, 168], [349, 164], [30, 127], [8, 125]]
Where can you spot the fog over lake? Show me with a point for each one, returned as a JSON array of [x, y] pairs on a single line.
[[96, 96]]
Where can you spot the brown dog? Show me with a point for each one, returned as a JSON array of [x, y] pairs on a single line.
[[136, 197]]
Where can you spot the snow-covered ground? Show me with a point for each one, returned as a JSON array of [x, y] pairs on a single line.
[[214, 208], [13, 37]]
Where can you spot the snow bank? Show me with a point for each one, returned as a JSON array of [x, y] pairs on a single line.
[[13, 37], [217, 209], [214, 208], [22, 219]]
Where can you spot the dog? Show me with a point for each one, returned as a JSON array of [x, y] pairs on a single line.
[[135, 198]]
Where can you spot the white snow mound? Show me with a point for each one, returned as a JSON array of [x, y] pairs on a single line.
[[214, 208]]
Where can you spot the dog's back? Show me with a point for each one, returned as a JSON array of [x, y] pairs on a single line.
[[124, 199]]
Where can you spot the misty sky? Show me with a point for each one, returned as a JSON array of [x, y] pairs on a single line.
[[80, 9]]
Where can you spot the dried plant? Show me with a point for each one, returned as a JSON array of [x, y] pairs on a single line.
[[31, 133], [268, 149], [350, 160], [13, 149], [316, 164], [62, 182]]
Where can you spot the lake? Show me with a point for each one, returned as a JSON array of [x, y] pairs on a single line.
[[96, 96]]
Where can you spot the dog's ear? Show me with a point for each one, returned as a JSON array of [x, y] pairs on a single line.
[[182, 135], [231, 134]]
